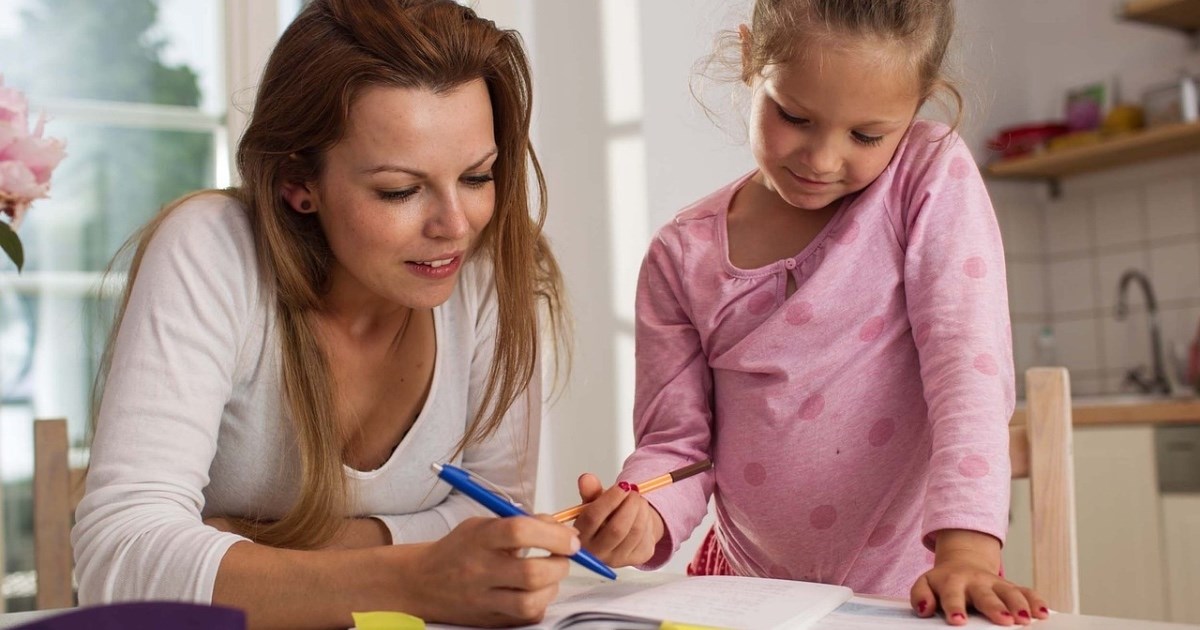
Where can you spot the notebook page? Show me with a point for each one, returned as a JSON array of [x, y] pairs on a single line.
[[734, 602]]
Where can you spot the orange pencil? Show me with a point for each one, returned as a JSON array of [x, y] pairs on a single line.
[[649, 485]]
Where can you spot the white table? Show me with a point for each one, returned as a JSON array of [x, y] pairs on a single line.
[[860, 613]]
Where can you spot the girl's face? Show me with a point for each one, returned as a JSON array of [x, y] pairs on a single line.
[[405, 194], [827, 123]]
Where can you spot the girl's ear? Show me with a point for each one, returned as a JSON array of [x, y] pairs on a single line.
[[300, 198], [745, 39]]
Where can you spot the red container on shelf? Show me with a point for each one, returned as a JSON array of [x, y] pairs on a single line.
[[1024, 139]]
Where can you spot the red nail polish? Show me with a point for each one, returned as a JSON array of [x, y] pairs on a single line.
[[958, 616], [1044, 610], [921, 606], [624, 485], [1005, 613], [1024, 614], [633, 488]]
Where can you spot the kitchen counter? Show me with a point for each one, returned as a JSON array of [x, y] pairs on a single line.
[[1127, 409]]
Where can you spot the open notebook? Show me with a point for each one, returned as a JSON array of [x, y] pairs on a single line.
[[733, 603]]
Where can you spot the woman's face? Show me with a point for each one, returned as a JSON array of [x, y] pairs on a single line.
[[405, 194]]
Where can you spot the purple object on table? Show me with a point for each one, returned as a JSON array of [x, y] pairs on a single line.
[[144, 616]]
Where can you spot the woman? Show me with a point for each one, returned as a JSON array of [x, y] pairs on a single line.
[[292, 354]]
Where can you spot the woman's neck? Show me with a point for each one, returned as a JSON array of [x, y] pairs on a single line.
[[356, 312]]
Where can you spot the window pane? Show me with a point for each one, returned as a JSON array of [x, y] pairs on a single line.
[[139, 51], [114, 180]]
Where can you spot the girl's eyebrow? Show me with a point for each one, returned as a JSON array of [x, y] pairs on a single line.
[[396, 168]]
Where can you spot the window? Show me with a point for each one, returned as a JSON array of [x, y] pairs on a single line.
[[140, 91]]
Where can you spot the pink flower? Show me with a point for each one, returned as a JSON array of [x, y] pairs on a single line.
[[26, 159]]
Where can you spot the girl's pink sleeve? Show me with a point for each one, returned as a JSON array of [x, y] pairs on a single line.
[[672, 414], [958, 306]]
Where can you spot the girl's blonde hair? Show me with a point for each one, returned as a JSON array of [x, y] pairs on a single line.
[[781, 29], [326, 57]]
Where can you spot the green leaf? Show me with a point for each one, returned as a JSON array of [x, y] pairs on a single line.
[[12, 245]]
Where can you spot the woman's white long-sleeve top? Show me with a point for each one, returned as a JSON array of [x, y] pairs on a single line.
[[192, 422]]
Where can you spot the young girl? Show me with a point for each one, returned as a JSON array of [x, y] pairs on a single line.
[[831, 329]]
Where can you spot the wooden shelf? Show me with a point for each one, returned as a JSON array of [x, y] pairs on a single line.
[[1130, 148], [1183, 15]]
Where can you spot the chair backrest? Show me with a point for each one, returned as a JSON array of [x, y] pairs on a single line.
[[1041, 450], [57, 489]]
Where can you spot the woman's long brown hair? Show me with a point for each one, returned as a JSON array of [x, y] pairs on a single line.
[[326, 57]]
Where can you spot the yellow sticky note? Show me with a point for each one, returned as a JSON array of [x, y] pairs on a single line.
[[387, 621], [671, 625]]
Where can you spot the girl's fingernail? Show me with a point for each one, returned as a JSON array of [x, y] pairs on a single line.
[[624, 485], [633, 487], [958, 616], [575, 544], [1005, 613], [1024, 613], [921, 606], [1044, 610]]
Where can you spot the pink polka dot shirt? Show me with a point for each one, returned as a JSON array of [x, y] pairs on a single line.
[[852, 420]]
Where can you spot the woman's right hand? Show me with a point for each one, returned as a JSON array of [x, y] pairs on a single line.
[[476, 575], [618, 526]]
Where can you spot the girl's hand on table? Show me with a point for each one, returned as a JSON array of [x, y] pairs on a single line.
[[966, 573]]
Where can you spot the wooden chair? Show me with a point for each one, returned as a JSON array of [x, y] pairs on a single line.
[[57, 489], [1041, 450]]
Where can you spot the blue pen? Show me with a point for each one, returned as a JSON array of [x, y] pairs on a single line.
[[462, 481]]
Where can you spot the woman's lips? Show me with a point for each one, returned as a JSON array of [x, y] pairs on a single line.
[[435, 269]]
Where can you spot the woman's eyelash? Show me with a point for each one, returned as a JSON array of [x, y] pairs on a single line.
[[476, 181], [397, 195], [403, 194]]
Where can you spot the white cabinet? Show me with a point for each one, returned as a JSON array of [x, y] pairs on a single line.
[[1120, 533], [1119, 523], [1181, 539]]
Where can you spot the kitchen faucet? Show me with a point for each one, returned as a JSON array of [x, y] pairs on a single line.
[[1157, 380]]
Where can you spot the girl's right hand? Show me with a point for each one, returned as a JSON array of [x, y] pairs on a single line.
[[619, 526], [476, 575]]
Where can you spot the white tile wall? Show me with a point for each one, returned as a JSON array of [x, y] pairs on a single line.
[[1175, 271], [1067, 254], [1171, 208], [1119, 217], [1076, 345], [1023, 230], [1068, 226], [1072, 286], [1027, 288], [1025, 346]]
